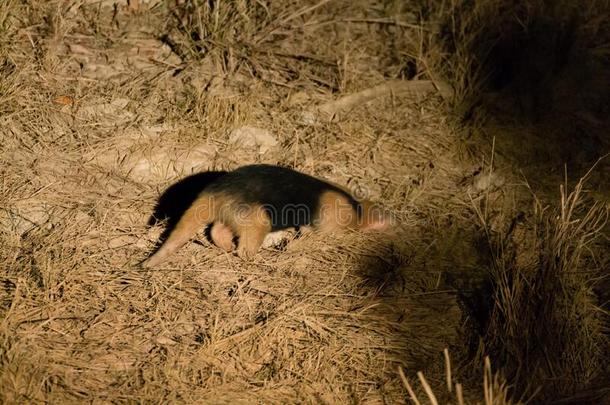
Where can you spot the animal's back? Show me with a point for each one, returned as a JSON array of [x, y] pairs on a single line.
[[272, 198], [291, 198]]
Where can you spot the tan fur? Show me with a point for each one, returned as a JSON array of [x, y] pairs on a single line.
[[335, 212], [222, 236], [204, 210], [252, 228], [250, 223], [375, 218]]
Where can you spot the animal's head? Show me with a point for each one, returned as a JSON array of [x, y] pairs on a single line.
[[375, 218]]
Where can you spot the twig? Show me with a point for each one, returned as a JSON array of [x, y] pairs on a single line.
[[414, 87], [448, 369], [427, 388], [405, 382], [387, 21]]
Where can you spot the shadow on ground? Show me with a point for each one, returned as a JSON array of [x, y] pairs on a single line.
[[427, 287]]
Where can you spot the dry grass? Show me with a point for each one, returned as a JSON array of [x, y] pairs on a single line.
[[103, 107], [495, 391], [546, 325]]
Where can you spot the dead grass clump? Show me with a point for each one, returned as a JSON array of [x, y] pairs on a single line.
[[238, 38], [545, 326], [302, 44], [494, 392], [199, 29]]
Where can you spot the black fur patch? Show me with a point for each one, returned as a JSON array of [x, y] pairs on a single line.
[[290, 198]]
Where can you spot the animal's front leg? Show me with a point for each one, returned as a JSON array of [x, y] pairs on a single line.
[[222, 236], [252, 227]]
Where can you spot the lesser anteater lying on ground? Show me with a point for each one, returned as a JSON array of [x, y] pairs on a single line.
[[254, 200]]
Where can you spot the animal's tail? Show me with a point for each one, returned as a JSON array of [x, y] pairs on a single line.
[[199, 214]]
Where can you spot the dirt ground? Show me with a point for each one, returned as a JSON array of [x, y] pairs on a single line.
[[106, 104]]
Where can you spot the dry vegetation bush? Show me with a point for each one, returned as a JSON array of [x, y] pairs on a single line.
[[495, 391], [545, 324], [104, 104]]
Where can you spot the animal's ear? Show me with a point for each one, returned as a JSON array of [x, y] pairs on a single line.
[[375, 218]]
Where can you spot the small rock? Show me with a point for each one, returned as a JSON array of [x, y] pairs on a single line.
[[308, 118], [486, 180], [251, 137], [274, 239]]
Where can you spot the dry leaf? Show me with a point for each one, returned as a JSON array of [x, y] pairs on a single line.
[[63, 100]]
